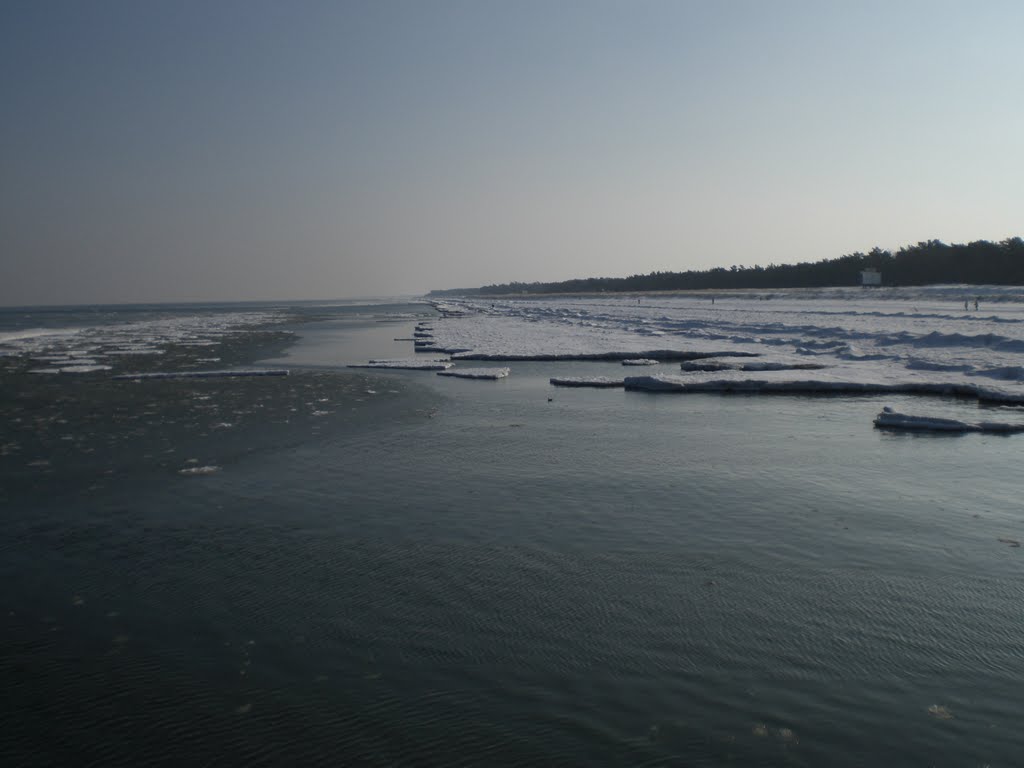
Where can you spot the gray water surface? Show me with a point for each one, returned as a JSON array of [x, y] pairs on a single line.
[[403, 569]]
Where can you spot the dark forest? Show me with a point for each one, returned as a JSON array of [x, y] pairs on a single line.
[[926, 263]]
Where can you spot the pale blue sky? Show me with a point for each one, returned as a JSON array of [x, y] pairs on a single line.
[[240, 150]]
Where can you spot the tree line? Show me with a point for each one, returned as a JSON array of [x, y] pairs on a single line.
[[926, 263]]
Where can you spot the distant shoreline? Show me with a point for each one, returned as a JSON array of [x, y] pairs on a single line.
[[950, 290], [929, 262]]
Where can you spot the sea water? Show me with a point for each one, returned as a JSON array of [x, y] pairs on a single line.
[[401, 569]]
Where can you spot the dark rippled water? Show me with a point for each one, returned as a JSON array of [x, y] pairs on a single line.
[[409, 570]]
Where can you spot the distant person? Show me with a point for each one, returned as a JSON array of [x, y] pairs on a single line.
[[712, 301], [966, 307], [975, 305]]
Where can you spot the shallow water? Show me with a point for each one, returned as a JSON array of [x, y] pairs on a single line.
[[408, 569]]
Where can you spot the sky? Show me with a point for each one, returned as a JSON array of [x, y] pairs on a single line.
[[238, 150]]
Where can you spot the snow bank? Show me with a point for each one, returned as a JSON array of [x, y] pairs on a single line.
[[913, 340]]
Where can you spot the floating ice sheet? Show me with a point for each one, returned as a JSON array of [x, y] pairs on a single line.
[[890, 419], [476, 373], [209, 469], [586, 381], [84, 368], [760, 365], [817, 386], [407, 365]]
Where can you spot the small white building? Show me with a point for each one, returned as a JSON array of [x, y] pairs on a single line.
[[870, 276]]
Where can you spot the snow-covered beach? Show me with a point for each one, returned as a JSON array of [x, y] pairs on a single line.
[[923, 340]]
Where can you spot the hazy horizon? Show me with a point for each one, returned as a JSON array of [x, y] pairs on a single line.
[[242, 151]]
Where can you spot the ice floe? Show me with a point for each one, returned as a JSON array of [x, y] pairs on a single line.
[[760, 365], [658, 355], [407, 365], [208, 469], [84, 368], [586, 381], [476, 373], [940, 712], [818, 386], [112, 344], [640, 361], [890, 419], [708, 365]]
